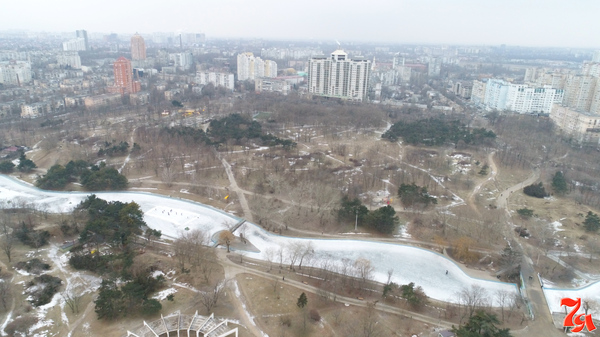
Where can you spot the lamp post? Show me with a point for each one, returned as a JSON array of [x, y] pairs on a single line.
[[356, 222]]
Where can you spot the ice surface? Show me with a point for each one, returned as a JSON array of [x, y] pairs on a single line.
[[588, 293]]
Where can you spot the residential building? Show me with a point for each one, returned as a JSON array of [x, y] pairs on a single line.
[[15, 73], [35, 110], [217, 79], [139, 98], [462, 89], [434, 67], [251, 67], [272, 85], [522, 98], [596, 57], [580, 91], [72, 102], [138, 47], [339, 76], [183, 61], [94, 102], [581, 126], [69, 59], [270, 68], [82, 34], [76, 44], [124, 82], [282, 84]]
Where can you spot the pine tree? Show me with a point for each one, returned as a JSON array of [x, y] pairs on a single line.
[[559, 183], [592, 222], [302, 301]]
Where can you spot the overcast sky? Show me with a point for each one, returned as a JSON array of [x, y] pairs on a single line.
[[560, 23]]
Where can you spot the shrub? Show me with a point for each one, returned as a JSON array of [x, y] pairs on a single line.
[[535, 190], [34, 266], [525, 212], [314, 315], [42, 289]]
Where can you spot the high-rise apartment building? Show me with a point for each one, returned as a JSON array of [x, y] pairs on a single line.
[[124, 82], [251, 67], [183, 61], [217, 79], [82, 34], [270, 68], [15, 72], [339, 76], [69, 59], [580, 91], [521, 98], [138, 48], [77, 44]]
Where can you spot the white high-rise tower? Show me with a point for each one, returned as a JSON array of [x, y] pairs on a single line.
[[339, 76]]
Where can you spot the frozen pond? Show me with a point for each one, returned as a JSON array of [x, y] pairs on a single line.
[[172, 216]]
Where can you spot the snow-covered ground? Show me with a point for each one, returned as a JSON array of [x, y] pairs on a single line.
[[588, 293], [410, 264], [171, 215]]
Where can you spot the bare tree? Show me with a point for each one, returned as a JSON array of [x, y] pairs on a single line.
[[73, 301], [5, 293], [473, 298], [367, 325], [190, 249], [503, 300], [226, 238], [7, 243], [364, 270], [308, 251], [210, 297], [269, 253], [294, 251]]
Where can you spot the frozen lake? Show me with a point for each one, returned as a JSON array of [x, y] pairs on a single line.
[[170, 215]]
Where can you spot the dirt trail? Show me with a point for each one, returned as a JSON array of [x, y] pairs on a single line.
[[477, 188], [240, 193]]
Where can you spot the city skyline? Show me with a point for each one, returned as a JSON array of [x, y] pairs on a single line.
[[535, 23]]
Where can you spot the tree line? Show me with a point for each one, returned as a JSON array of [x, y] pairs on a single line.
[[436, 131], [92, 177]]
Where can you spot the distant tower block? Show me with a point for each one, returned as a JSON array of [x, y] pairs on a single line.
[[138, 48]]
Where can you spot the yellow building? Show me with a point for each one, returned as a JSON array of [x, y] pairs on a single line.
[[583, 127]]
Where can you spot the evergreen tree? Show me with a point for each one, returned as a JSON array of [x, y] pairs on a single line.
[[383, 220], [592, 222], [535, 190], [349, 209], [413, 295], [559, 183], [302, 301], [25, 165], [411, 194], [6, 167], [481, 324], [109, 303]]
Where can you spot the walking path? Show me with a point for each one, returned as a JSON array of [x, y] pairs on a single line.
[[240, 193], [232, 269]]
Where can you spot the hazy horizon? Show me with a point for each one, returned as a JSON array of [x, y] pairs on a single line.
[[535, 23]]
